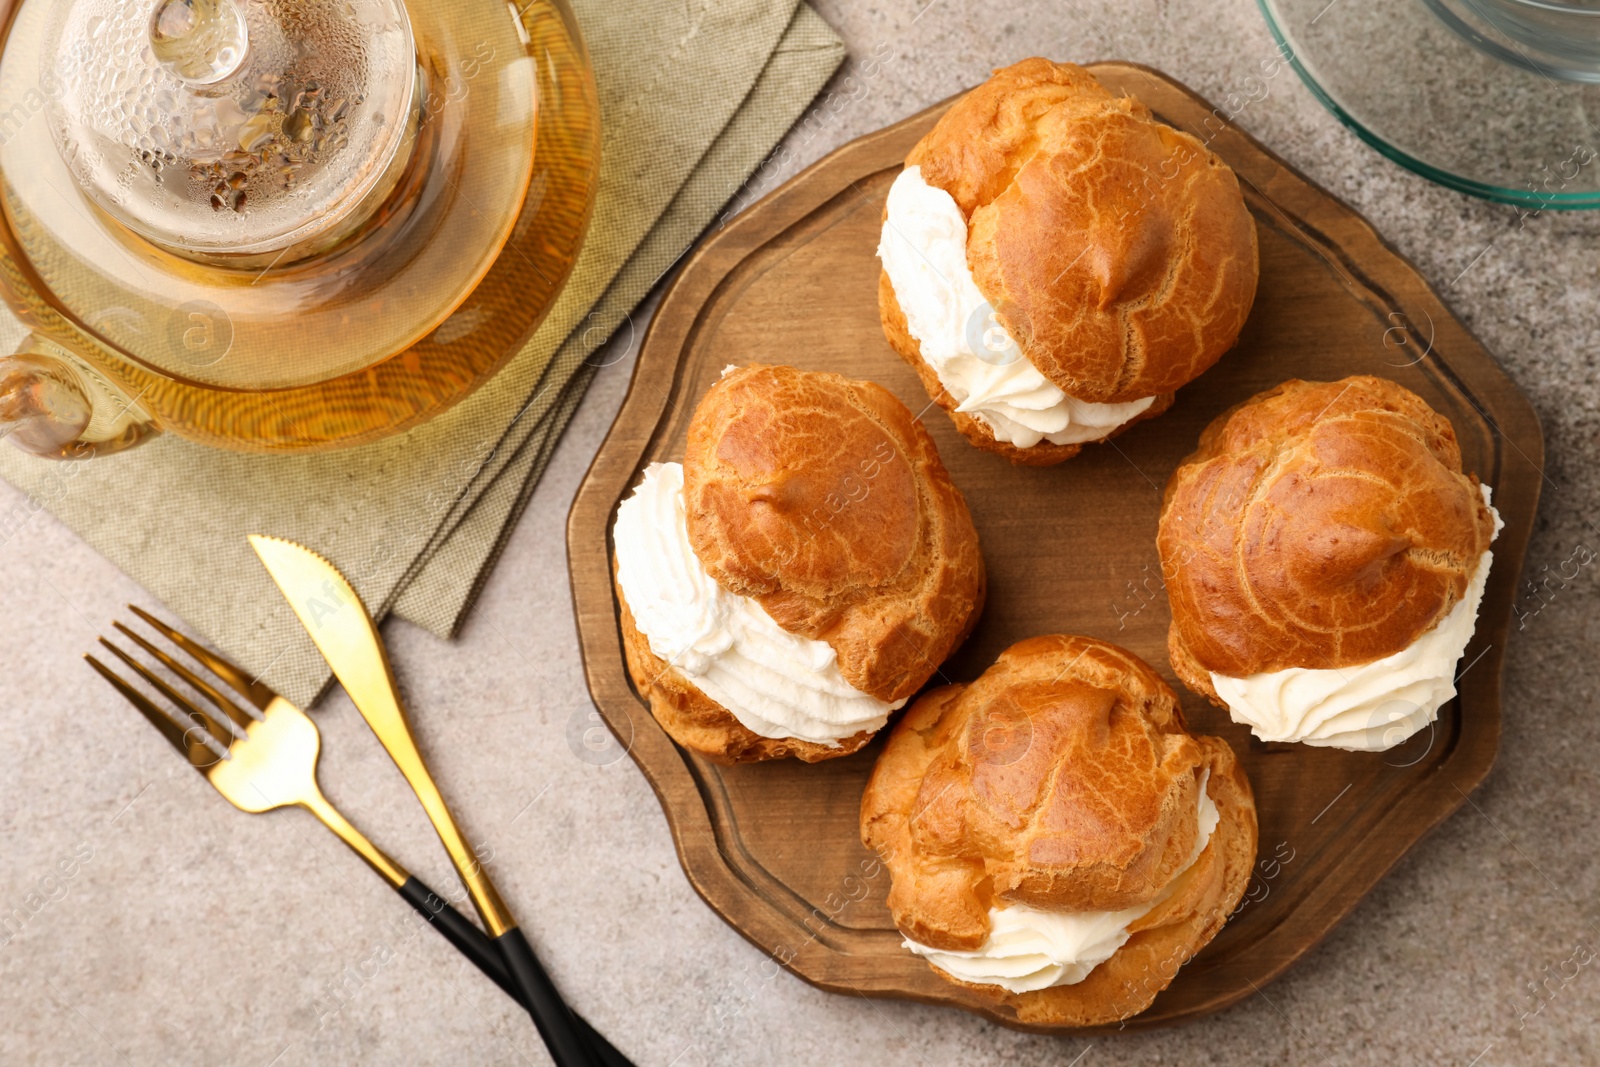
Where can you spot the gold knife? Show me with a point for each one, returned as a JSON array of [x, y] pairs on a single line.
[[333, 614]]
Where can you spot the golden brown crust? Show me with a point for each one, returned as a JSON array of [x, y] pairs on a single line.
[[1168, 937], [1116, 250], [824, 499], [1043, 454], [699, 723], [1318, 525], [1062, 778]]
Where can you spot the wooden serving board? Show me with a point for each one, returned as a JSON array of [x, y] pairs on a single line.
[[1070, 549]]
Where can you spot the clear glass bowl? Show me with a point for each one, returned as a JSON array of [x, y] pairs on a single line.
[[1497, 98]]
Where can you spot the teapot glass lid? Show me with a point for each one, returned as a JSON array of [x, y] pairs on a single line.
[[231, 127]]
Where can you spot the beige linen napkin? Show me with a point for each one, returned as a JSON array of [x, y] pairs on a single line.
[[692, 99]]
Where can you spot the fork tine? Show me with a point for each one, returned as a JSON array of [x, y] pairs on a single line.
[[178, 738], [236, 714], [215, 730], [255, 692]]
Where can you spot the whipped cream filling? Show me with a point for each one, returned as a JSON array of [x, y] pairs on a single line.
[[776, 683], [924, 252], [1367, 708], [1031, 949]]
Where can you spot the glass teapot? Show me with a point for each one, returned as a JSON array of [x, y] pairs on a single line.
[[279, 225]]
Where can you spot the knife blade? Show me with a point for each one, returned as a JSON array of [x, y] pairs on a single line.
[[338, 623]]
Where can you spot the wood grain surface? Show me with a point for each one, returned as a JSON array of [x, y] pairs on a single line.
[[773, 848]]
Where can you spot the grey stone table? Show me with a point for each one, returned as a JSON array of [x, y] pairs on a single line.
[[172, 930]]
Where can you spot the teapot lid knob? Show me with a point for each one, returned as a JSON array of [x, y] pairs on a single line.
[[200, 41]]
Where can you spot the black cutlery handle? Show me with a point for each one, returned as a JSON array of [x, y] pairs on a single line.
[[457, 929], [550, 1013], [475, 945]]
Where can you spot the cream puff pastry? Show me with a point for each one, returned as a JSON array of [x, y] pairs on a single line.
[[1056, 262], [800, 575], [1057, 839], [1325, 555]]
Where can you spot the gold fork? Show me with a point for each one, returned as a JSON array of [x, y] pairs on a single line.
[[264, 756], [269, 754]]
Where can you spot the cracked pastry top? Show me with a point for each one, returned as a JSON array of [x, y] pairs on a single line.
[[801, 574], [1057, 262], [1057, 839], [1325, 555]]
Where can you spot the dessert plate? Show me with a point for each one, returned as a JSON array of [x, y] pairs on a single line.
[[773, 847]]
